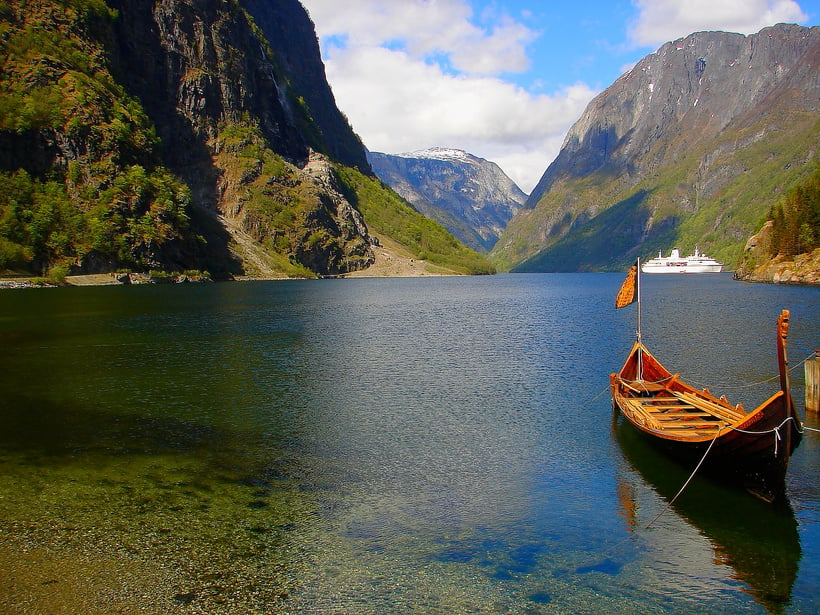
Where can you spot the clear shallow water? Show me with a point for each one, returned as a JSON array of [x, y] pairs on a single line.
[[384, 446]]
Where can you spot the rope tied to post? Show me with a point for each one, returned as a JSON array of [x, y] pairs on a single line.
[[801, 428], [753, 384]]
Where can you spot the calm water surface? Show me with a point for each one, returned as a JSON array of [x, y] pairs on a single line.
[[363, 446]]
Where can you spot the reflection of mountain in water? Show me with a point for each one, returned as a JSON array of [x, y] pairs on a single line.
[[758, 541]]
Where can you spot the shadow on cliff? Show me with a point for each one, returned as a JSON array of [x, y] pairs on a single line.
[[151, 73], [609, 241]]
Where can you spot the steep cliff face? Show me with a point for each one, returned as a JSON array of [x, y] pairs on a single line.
[[472, 197], [292, 36], [689, 147], [194, 65], [224, 93]]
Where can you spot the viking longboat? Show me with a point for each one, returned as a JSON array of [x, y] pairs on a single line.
[[748, 448]]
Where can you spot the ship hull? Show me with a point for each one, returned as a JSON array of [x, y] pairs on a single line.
[[675, 263], [681, 268]]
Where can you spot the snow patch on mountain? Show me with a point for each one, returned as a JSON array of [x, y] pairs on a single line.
[[439, 153], [470, 196]]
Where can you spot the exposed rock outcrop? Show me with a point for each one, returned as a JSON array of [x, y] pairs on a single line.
[[757, 266]]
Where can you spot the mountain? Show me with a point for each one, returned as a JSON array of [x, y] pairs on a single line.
[[691, 147], [171, 135], [471, 197]]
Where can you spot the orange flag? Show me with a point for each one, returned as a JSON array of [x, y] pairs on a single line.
[[627, 293]]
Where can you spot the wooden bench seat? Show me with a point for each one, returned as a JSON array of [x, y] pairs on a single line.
[[677, 410], [722, 412], [638, 409], [674, 416], [686, 427], [664, 406]]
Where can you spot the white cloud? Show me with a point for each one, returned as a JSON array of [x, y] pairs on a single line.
[[412, 74], [426, 28], [397, 104], [660, 21]]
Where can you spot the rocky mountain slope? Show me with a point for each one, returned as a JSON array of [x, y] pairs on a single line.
[[175, 135], [690, 147], [471, 197]]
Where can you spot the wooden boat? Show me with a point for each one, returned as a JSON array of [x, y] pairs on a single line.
[[750, 448]]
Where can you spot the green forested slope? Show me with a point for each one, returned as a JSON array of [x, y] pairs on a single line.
[[81, 170]]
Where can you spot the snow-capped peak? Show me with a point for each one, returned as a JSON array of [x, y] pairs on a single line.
[[438, 153]]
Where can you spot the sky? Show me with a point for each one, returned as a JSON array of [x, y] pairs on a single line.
[[502, 79]]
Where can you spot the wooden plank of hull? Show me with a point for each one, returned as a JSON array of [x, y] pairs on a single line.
[[764, 419], [747, 461]]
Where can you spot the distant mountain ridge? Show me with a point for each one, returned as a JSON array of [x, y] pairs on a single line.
[[470, 196], [690, 147]]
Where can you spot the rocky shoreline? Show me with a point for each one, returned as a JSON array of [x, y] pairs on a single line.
[[391, 262], [804, 269], [99, 279]]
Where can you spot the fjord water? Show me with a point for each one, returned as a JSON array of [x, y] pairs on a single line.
[[439, 445]]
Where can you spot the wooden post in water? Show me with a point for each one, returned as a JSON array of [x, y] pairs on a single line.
[[813, 383]]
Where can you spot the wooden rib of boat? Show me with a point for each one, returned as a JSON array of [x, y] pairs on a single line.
[[751, 448]]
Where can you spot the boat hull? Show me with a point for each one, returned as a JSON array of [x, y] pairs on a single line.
[[742, 531], [756, 461], [751, 449]]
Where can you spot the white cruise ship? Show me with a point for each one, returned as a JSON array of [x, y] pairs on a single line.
[[675, 263]]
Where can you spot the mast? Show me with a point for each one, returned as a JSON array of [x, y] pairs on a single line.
[[638, 324], [638, 295]]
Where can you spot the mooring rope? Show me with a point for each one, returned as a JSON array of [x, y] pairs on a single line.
[[753, 384], [800, 426], [604, 390], [688, 480], [776, 430]]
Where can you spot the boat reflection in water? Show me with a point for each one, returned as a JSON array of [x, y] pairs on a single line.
[[758, 541]]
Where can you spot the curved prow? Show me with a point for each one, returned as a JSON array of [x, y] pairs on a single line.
[[782, 356], [792, 431]]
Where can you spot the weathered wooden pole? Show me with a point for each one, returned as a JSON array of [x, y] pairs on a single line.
[[813, 383]]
